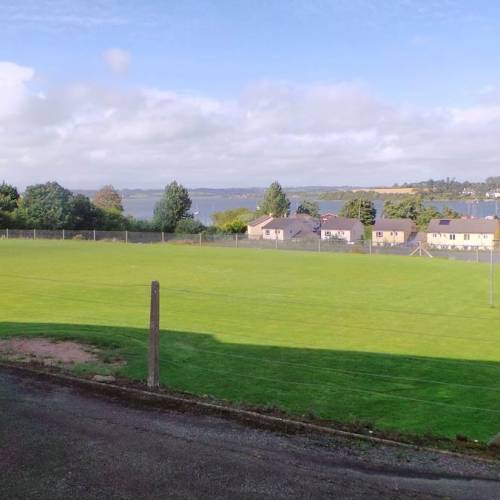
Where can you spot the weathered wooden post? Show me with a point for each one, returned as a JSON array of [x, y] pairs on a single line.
[[154, 338]]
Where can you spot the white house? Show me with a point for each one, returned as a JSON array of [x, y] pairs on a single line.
[[342, 228], [465, 234]]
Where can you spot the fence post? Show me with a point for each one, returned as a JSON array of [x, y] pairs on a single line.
[[319, 243], [477, 254], [492, 279], [7, 233], [199, 239], [162, 237], [236, 240], [94, 234], [154, 337], [63, 235], [126, 236], [34, 234], [276, 240], [370, 245]]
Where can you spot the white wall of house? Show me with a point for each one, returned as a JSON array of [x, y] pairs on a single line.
[[328, 234], [255, 232], [280, 234], [461, 240], [380, 238]]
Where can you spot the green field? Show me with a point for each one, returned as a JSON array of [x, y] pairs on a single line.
[[406, 344]]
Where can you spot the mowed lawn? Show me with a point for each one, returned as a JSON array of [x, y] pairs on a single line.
[[406, 344]]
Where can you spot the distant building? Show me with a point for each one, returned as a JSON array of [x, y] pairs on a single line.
[[493, 194], [327, 217], [392, 231], [466, 234], [254, 227], [342, 228]]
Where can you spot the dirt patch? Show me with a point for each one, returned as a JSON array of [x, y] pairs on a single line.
[[47, 352]]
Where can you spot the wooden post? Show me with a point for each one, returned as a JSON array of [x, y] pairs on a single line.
[[63, 235], [162, 237], [236, 240], [477, 254], [200, 240], [154, 338], [94, 234], [126, 236], [492, 279], [370, 245], [34, 234], [7, 233], [319, 243]]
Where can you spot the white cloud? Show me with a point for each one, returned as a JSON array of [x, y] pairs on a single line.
[[85, 136], [117, 60], [13, 82]]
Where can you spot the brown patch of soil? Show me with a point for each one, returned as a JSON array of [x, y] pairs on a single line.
[[47, 352]]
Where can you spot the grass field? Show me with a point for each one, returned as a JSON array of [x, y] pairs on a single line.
[[408, 344]]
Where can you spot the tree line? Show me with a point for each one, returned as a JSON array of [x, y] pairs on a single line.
[[51, 206]]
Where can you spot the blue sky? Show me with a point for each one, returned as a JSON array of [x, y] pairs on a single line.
[[242, 92]]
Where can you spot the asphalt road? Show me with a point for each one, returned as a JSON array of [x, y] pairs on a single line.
[[59, 443]]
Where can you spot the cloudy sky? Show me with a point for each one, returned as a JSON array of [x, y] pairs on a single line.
[[223, 93]]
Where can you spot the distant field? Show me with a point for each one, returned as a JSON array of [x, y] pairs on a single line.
[[403, 343]]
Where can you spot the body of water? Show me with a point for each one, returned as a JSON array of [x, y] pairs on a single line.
[[142, 208]]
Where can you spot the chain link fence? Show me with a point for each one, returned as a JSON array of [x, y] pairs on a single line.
[[308, 244]]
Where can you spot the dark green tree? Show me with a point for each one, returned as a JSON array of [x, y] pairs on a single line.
[[172, 208], [47, 206], [309, 207], [409, 208], [275, 201], [360, 208], [189, 226], [235, 227], [84, 214], [9, 197]]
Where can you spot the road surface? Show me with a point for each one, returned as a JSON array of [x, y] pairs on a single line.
[[58, 443]]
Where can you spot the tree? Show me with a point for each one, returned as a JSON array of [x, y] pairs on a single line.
[[83, 213], [359, 208], [409, 208], [275, 201], [309, 207], [235, 227], [172, 207], [189, 226], [47, 206], [108, 199], [9, 197], [225, 217]]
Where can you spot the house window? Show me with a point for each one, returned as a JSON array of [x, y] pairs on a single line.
[[328, 233], [379, 234], [435, 235], [395, 233], [452, 236], [485, 236], [268, 232], [466, 237]]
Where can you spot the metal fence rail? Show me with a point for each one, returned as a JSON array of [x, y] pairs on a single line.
[[309, 244]]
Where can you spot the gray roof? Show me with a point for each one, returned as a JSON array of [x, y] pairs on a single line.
[[406, 225], [339, 223], [259, 220], [281, 223], [463, 226]]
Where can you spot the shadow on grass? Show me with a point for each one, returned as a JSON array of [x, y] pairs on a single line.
[[412, 395]]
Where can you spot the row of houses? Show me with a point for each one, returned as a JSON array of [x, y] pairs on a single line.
[[464, 233]]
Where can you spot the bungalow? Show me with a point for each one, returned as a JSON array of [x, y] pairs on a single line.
[[467, 234], [392, 231], [342, 228], [254, 227], [287, 229]]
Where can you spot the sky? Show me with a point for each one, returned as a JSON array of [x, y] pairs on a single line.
[[224, 93]]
